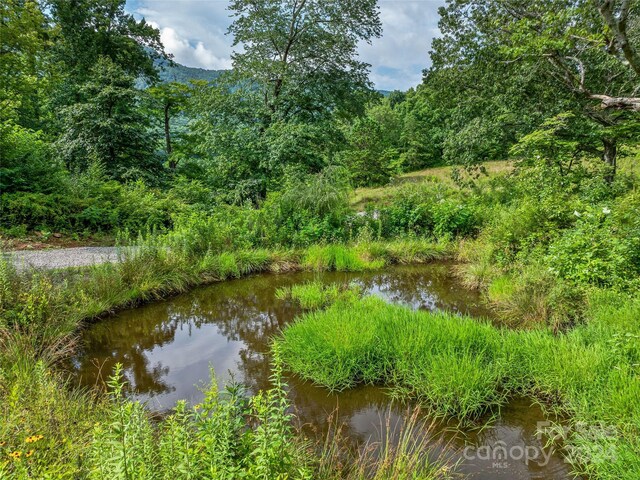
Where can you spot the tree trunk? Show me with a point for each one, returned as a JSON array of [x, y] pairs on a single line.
[[609, 157], [167, 136]]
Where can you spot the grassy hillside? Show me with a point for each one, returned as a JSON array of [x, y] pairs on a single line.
[[363, 196]]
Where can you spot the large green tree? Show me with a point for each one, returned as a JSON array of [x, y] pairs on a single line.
[[296, 72], [90, 29], [108, 126], [101, 52], [24, 71], [301, 55], [585, 49]]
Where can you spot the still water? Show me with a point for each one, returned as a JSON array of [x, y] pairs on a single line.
[[167, 349]]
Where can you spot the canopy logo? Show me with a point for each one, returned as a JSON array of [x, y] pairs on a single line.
[[549, 437], [500, 455]]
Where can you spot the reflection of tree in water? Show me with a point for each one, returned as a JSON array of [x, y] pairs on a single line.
[[428, 288], [124, 341], [246, 311]]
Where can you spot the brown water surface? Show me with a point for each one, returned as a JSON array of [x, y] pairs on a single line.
[[167, 349]]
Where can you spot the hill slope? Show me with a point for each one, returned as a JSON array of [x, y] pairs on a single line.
[[180, 73]]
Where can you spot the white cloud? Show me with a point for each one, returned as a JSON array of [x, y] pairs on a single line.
[[398, 57], [194, 32]]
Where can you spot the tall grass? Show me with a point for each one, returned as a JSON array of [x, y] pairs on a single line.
[[459, 367], [39, 310], [404, 452], [46, 424], [313, 295]]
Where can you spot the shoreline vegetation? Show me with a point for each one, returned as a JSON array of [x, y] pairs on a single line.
[[42, 310], [463, 368]]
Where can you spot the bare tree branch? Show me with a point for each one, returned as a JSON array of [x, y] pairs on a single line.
[[618, 103]]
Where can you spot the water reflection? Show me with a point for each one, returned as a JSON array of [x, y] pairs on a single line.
[[167, 349]]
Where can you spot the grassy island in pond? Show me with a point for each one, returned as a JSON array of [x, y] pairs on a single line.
[[462, 367]]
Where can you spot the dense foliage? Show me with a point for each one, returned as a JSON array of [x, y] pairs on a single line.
[[86, 86]]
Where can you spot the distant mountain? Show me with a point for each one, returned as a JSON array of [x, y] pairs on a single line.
[[182, 74]]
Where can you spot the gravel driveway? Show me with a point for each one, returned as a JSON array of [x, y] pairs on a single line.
[[63, 257]]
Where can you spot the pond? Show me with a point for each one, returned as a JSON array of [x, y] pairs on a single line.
[[167, 349]]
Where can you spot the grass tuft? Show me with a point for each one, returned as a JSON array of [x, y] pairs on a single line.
[[462, 368]]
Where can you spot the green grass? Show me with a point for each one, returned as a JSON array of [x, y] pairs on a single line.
[[459, 367], [54, 303], [46, 423], [376, 195], [40, 310], [313, 295]]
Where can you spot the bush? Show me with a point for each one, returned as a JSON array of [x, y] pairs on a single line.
[[598, 251], [430, 209], [27, 163], [227, 436], [92, 207], [308, 210]]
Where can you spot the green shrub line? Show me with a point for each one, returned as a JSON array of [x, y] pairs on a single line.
[[54, 303], [459, 367]]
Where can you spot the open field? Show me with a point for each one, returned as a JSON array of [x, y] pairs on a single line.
[[363, 196]]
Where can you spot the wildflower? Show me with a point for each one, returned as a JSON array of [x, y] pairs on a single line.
[[29, 453], [606, 211], [577, 213], [16, 454], [33, 438], [2, 444]]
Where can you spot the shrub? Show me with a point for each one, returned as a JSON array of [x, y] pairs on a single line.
[[598, 251], [227, 436], [26, 162]]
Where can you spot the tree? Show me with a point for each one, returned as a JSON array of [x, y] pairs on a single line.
[[375, 148], [583, 47], [244, 157], [91, 29], [301, 55], [23, 64], [171, 99], [108, 126], [297, 72]]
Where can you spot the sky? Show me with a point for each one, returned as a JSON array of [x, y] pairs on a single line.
[[194, 32]]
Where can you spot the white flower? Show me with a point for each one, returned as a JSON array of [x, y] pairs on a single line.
[[577, 213], [606, 211]]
